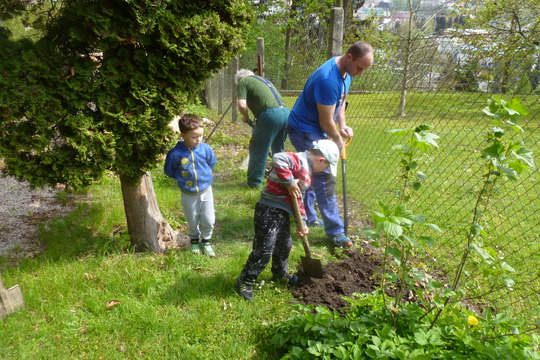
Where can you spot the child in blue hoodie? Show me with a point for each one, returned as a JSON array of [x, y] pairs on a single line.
[[190, 163]]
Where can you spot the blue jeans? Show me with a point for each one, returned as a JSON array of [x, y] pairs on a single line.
[[323, 188], [268, 133]]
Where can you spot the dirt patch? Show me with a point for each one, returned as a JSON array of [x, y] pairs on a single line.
[[356, 273], [22, 209]]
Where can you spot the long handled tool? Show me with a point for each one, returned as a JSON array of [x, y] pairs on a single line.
[[312, 267], [220, 120], [344, 176]]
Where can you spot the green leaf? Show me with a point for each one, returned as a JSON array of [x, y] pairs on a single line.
[[525, 155], [434, 227], [516, 106], [420, 175], [479, 250], [421, 337], [507, 267], [397, 131], [476, 229], [509, 172], [402, 212], [410, 239], [494, 151], [392, 229], [423, 127], [518, 166], [509, 282], [426, 240], [497, 131], [427, 138], [395, 252]]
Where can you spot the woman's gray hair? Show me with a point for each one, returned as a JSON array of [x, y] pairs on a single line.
[[242, 73]]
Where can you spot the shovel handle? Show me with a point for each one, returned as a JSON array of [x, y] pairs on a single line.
[[344, 152], [299, 224]]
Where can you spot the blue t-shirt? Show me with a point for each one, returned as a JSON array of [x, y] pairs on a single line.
[[325, 86]]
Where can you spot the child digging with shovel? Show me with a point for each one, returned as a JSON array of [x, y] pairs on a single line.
[[290, 175]]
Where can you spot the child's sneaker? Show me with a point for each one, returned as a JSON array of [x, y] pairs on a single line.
[[195, 249], [291, 280], [244, 288], [207, 249]]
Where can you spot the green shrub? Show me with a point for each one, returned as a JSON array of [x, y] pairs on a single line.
[[368, 330]]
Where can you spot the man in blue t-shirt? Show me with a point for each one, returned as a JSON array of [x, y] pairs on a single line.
[[319, 113]]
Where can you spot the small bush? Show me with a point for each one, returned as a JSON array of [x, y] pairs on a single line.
[[368, 330]]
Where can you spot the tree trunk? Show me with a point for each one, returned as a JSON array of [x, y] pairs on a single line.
[[147, 227], [288, 39], [407, 62]]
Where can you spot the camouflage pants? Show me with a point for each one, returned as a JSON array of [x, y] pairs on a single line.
[[272, 241]]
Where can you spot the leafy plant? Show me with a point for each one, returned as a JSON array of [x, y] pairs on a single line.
[[367, 331], [395, 226], [504, 158], [419, 143]]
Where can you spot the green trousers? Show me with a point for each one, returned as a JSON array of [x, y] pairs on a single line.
[[268, 133]]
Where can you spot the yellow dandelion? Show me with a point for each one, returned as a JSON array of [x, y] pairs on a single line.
[[473, 321]]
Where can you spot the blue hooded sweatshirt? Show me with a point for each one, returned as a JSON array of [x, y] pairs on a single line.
[[191, 168]]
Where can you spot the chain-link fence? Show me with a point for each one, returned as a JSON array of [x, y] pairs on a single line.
[[447, 81]]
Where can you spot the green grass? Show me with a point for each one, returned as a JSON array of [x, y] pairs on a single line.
[[454, 172], [171, 306], [180, 306]]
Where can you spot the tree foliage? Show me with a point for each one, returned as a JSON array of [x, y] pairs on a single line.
[[97, 91]]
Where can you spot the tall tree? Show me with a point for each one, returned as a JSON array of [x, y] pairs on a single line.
[[514, 29], [96, 93]]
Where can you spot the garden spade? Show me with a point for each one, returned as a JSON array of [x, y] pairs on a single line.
[[344, 176], [312, 267]]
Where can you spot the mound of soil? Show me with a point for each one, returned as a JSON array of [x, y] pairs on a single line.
[[356, 273]]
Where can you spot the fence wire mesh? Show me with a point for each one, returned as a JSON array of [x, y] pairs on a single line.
[[448, 80]]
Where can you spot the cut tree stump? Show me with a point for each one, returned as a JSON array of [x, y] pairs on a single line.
[[11, 300]]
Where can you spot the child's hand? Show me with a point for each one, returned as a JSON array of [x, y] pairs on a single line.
[[294, 190], [301, 231]]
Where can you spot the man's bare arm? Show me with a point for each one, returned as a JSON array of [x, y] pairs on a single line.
[[326, 114], [243, 108]]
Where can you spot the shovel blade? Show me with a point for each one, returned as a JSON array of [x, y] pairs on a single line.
[[312, 267]]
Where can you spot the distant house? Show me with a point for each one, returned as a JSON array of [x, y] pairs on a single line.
[[401, 16]]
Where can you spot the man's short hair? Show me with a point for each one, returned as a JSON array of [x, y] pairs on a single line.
[[189, 122], [242, 73], [360, 49]]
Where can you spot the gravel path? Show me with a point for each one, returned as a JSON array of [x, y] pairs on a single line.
[[21, 210]]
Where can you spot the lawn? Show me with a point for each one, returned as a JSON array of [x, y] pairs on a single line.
[[171, 306], [454, 172], [182, 306]]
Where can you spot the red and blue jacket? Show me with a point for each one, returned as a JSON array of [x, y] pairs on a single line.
[[287, 168]]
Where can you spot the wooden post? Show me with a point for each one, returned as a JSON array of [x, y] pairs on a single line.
[[336, 33], [11, 300], [234, 69], [221, 78], [260, 56]]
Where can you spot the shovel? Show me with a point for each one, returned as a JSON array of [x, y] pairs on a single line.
[[312, 267], [344, 176]]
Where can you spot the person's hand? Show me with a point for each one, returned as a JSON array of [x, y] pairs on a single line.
[[301, 231], [294, 190], [245, 119], [346, 131]]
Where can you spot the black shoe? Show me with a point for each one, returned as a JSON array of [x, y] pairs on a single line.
[[244, 288], [292, 280]]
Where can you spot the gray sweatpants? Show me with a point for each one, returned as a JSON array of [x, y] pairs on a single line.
[[199, 213]]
